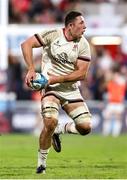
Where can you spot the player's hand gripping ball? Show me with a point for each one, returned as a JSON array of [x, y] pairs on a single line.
[[39, 82]]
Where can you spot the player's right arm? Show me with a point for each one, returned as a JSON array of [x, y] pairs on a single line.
[[27, 50]]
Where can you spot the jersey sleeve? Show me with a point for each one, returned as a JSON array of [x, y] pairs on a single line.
[[46, 37], [84, 51]]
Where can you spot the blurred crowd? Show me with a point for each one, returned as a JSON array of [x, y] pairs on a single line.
[[105, 61], [45, 11], [39, 11]]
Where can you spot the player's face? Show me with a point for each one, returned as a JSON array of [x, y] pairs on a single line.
[[78, 27]]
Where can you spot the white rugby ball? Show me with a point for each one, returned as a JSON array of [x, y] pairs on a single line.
[[39, 82]]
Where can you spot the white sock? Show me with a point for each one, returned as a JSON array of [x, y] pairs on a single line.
[[117, 128], [42, 157], [70, 128], [65, 127]]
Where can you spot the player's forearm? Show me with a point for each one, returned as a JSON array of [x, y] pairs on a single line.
[[28, 55], [75, 76]]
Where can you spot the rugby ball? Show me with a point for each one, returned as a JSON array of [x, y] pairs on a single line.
[[39, 82]]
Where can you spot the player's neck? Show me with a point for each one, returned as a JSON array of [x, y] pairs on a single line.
[[67, 35]]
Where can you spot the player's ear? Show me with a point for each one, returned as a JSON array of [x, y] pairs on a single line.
[[71, 24]]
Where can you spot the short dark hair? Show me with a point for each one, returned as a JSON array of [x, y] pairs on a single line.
[[70, 17]]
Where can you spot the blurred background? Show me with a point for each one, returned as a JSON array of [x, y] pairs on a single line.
[[105, 89]]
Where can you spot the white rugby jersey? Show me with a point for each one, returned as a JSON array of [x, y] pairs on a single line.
[[60, 55]]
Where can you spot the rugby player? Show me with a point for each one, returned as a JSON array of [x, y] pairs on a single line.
[[67, 55]]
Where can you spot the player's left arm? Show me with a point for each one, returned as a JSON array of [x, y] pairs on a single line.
[[80, 73]]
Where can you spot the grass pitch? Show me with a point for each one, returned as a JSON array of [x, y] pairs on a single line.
[[88, 157]]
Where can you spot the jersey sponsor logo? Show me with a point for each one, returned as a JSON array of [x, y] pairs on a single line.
[[57, 44], [62, 58]]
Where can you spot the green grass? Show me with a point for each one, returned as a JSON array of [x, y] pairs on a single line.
[[88, 157]]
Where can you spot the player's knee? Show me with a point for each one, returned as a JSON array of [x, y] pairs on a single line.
[[82, 118], [84, 128]]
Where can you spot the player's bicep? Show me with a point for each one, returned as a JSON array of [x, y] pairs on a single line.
[[33, 42]]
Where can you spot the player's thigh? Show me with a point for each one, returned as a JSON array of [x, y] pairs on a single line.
[[79, 112], [50, 110]]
